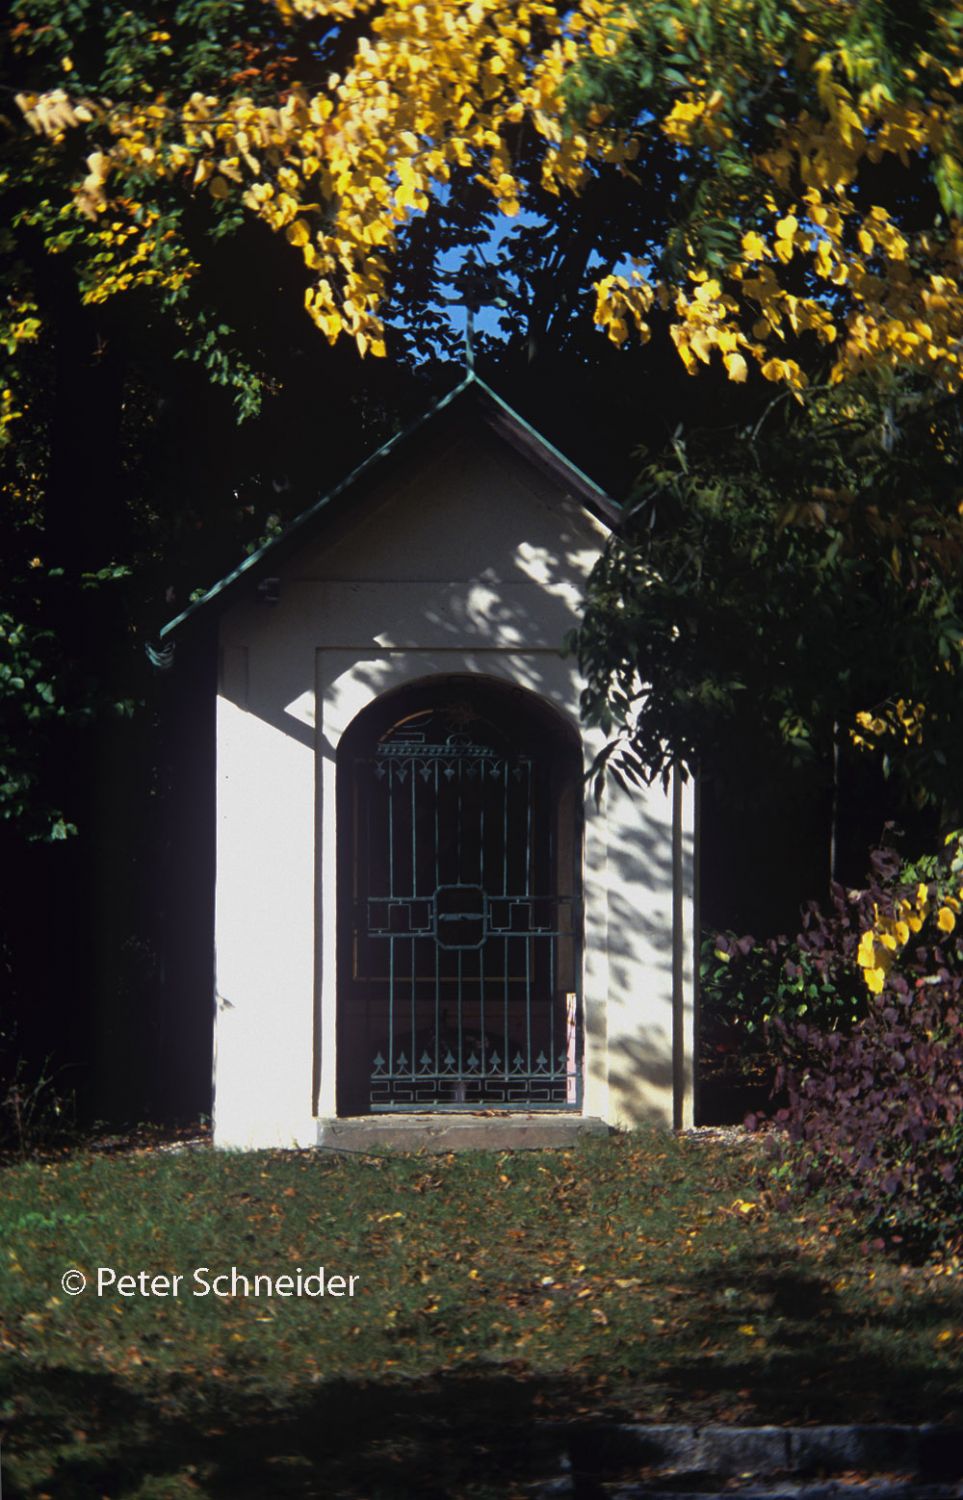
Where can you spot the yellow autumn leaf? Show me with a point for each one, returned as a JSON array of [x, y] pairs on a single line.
[[777, 369], [866, 953], [98, 165], [709, 291], [736, 367], [945, 919], [824, 259], [701, 345]]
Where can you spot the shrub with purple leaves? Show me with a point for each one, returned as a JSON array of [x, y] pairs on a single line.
[[746, 984], [875, 1110]]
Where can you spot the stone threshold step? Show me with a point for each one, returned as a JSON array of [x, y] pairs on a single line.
[[928, 1453], [863, 1489], [484, 1131]]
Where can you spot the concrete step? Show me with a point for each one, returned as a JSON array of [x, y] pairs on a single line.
[[485, 1131], [861, 1489], [636, 1461]]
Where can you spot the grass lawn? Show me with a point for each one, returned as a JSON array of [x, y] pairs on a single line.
[[645, 1276]]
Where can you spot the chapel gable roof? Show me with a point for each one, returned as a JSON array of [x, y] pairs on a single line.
[[471, 403]]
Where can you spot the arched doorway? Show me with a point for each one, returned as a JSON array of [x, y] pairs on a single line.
[[459, 910]]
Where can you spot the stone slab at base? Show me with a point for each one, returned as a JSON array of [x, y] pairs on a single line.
[[457, 1132], [885, 1462], [929, 1451]]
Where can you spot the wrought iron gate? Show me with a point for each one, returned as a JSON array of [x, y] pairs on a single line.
[[463, 922]]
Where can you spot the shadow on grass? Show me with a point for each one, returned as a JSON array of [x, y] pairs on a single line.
[[815, 1349], [84, 1437], [764, 1337]]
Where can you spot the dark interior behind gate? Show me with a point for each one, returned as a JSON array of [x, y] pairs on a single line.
[[459, 906]]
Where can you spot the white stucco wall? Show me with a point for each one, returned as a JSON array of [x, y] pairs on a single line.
[[474, 565]]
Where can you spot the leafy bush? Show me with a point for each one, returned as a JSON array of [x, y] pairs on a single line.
[[875, 1110], [35, 1111], [745, 985], [878, 1115]]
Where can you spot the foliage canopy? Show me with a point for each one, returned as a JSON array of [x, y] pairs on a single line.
[[767, 195], [791, 588], [812, 151]]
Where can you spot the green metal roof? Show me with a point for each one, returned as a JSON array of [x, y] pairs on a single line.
[[507, 421]]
